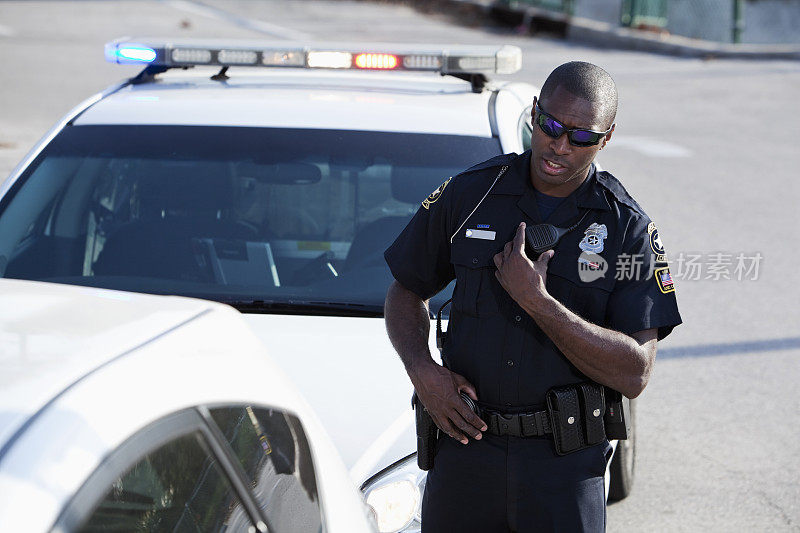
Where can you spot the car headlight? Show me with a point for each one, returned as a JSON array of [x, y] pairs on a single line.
[[395, 495]]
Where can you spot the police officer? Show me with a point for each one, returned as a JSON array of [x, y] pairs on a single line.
[[592, 308]]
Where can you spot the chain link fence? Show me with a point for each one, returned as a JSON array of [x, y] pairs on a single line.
[[737, 21], [745, 21], [771, 21], [710, 20]]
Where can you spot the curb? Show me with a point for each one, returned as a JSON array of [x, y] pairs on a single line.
[[601, 34]]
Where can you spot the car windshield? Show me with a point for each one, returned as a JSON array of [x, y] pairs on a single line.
[[263, 218]]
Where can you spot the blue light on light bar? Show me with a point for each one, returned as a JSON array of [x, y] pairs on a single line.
[[137, 54]]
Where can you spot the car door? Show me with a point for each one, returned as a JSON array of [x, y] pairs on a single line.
[[223, 468]]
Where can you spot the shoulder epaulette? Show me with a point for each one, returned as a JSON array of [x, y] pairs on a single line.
[[613, 185]]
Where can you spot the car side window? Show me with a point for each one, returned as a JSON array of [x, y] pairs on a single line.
[[274, 454], [177, 487], [526, 128]]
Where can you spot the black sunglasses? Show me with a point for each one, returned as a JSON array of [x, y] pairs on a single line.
[[577, 137]]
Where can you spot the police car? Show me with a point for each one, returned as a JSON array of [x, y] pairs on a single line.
[[132, 412], [272, 177]]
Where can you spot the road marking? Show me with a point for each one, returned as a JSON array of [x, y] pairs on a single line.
[[192, 6], [366, 462], [729, 348], [649, 146], [5, 31]]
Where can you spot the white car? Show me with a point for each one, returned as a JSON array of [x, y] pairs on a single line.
[[132, 412], [272, 178]]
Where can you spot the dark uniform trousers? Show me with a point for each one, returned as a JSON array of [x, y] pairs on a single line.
[[519, 484], [511, 484]]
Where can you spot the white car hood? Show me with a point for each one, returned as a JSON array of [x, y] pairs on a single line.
[[52, 335], [348, 371]]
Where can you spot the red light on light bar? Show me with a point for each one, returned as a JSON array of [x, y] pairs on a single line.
[[376, 61]]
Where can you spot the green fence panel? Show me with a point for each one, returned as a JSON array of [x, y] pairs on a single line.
[[637, 13]]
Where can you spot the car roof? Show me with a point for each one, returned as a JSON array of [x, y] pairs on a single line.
[[51, 335], [295, 98]]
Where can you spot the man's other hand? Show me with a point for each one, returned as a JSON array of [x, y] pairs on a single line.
[[438, 388]]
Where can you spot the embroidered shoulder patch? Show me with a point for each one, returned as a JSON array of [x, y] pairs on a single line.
[[655, 244], [664, 280], [435, 195]]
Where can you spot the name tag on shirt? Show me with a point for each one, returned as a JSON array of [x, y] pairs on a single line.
[[480, 234]]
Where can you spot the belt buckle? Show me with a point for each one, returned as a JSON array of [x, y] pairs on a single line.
[[509, 424]]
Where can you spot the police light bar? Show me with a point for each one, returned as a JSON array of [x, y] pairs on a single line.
[[443, 59]]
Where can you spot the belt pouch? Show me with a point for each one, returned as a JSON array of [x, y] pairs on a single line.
[[426, 434], [565, 416], [594, 407]]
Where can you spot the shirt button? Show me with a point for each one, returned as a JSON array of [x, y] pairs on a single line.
[[474, 260], [510, 362], [517, 318]]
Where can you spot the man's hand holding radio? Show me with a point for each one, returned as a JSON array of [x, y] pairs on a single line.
[[524, 280]]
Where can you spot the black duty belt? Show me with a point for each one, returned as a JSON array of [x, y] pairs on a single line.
[[577, 416], [574, 417]]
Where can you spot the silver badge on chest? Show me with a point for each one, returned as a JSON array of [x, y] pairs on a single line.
[[594, 237]]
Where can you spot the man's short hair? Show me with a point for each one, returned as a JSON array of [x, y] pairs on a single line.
[[586, 81]]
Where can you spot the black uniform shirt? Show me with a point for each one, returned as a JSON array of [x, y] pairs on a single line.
[[491, 341]]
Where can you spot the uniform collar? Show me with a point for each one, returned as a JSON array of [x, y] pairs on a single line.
[[517, 177], [516, 181]]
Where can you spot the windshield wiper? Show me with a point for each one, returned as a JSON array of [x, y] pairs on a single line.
[[306, 307]]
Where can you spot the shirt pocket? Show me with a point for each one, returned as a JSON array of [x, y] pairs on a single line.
[[587, 299], [477, 290]]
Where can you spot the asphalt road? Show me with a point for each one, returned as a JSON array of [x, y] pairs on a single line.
[[709, 148]]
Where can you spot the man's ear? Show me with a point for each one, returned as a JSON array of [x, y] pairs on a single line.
[[608, 136]]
